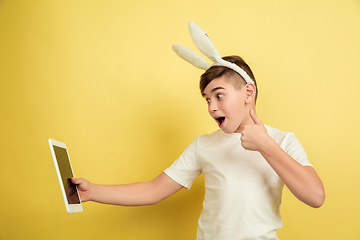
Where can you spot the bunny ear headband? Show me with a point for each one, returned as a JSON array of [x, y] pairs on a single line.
[[203, 43]]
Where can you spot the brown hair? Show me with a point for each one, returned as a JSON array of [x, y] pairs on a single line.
[[235, 78]]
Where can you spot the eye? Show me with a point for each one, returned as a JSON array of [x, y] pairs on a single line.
[[219, 95], [208, 100]]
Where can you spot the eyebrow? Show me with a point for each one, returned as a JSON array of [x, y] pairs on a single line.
[[215, 89]]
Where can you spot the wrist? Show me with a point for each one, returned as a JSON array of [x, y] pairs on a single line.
[[92, 192], [268, 146]]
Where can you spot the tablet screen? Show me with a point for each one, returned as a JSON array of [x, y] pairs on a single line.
[[66, 175]]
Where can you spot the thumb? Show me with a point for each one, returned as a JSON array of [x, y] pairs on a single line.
[[75, 180], [255, 118]]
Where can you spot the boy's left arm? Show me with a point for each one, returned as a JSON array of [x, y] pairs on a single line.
[[302, 181]]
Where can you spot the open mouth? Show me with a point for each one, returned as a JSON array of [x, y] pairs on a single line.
[[220, 120]]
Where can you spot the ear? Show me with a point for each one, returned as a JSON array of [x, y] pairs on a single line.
[[250, 93]]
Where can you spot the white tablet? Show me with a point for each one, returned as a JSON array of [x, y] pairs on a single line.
[[65, 173]]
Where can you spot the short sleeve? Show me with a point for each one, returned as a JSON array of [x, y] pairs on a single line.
[[186, 168], [291, 145]]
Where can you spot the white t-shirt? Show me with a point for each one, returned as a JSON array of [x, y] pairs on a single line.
[[242, 192]]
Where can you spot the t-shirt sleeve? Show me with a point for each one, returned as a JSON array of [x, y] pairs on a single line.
[[293, 147], [186, 168]]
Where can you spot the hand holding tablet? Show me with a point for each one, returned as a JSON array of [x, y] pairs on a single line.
[[64, 171], [83, 187]]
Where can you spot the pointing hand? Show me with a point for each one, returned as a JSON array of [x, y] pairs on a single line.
[[254, 136]]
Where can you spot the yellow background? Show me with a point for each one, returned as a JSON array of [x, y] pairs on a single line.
[[101, 76]]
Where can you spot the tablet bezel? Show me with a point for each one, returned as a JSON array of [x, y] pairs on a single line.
[[70, 208]]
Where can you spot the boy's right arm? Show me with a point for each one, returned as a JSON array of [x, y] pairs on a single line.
[[136, 194]]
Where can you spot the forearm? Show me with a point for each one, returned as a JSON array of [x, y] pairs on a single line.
[[302, 181], [136, 194]]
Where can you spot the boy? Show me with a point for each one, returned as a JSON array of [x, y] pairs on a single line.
[[245, 165]]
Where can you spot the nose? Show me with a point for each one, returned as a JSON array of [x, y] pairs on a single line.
[[213, 107]]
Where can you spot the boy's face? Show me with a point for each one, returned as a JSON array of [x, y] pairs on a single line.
[[227, 105]]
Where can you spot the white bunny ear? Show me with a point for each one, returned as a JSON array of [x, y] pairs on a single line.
[[190, 56], [203, 43]]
